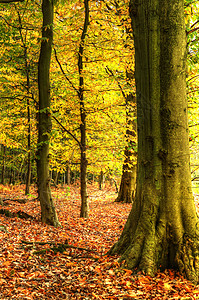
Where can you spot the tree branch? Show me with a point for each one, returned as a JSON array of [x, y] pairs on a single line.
[[67, 131], [110, 72], [10, 1], [62, 70], [60, 246], [192, 30]]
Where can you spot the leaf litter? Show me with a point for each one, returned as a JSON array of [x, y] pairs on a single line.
[[34, 266]]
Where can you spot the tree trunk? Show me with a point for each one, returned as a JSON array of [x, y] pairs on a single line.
[[128, 181], [48, 213], [127, 186], [27, 87], [83, 167], [68, 175], [101, 180], [28, 175], [162, 228], [3, 164]]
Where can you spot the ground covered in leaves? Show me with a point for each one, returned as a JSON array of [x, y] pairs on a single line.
[[38, 261]]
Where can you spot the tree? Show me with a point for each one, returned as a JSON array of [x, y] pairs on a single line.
[[162, 227], [48, 213], [84, 162], [29, 96], [93, 125]]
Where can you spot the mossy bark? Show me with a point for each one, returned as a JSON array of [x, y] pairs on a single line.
[[162, 228], [48, 213]]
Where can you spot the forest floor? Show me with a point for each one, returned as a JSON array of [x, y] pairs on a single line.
[[33, 265]]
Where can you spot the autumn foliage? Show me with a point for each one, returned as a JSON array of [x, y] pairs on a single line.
[[32, 270]]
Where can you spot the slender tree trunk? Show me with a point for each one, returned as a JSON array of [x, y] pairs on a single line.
[[68, 175], [56, 178], [28, 175], [48, 213], [101, 180], [3, 164], [128, 182], [84, 197], [27, 70], [162, 228]]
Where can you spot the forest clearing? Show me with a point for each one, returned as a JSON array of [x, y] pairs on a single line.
[[28, 273]]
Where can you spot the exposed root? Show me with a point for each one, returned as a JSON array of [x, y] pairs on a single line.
[[187, 259], [147, 253], [143, 251], [133, 253]]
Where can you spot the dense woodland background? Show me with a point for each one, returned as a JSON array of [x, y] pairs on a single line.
[[108, 77]]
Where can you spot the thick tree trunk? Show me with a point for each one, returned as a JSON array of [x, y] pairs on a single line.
[[162, 228], [127, 186], [83, 167], [128, 182], [48, 213]]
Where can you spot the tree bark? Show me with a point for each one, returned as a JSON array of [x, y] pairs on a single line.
[[128, 182], [83, 167], [162, 228], [48, 213]]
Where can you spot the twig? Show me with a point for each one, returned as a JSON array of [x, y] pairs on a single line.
[[18, 200], [83, 257]]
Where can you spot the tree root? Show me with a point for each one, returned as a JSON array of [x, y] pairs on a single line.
[[187, 259], [23, 201], [148, 252]]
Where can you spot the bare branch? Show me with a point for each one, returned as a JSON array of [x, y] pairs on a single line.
[[110, 72], [66, 130], [192, 30], [62, 70], [10, 1]]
